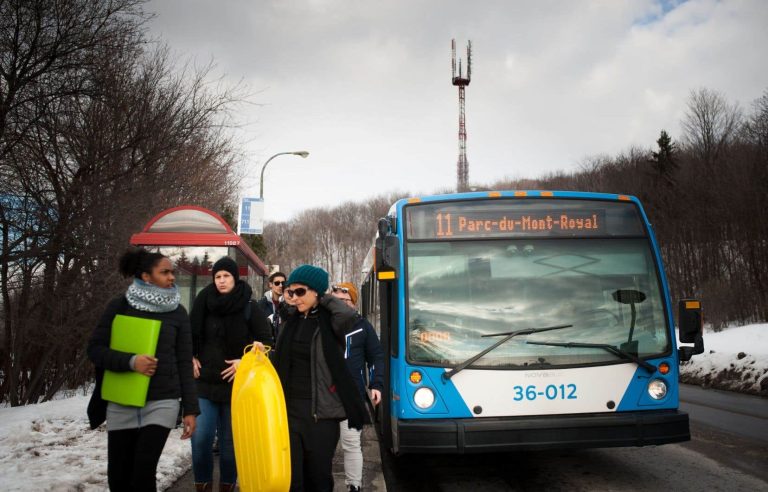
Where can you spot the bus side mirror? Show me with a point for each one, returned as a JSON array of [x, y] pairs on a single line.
[[690, 327], [387, 252], [384, 228]]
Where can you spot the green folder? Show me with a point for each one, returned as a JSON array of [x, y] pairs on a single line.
[[135, 336]]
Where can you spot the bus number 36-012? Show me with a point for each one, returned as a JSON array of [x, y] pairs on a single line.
[[550, 392]]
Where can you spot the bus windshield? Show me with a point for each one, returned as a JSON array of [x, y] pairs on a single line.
[[607, 288]]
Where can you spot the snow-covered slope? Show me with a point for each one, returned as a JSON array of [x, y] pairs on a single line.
[[734, 359]]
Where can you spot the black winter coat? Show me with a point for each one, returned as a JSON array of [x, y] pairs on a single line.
[[213, 348], [363, 350], [334, 394], [265, 304], [173, 377]]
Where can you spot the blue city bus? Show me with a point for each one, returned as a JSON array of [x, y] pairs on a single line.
[[516, 320]]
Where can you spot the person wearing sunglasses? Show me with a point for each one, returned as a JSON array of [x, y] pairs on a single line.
[[362, 352], [271, 302], [319, 390]]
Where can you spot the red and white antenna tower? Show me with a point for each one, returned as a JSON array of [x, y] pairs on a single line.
[[462, 166]]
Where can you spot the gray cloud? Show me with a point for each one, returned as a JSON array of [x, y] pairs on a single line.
[[365, 86]]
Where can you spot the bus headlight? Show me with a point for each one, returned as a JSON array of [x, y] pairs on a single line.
[[424, 397], [657, 389]]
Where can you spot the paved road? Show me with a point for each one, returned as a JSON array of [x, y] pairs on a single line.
[[373, 477], [730, 428], [736, 413], [728, 451]]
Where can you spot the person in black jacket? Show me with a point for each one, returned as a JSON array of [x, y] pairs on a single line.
[[136, 436], [362, 351], [319, 390], [224, 321]]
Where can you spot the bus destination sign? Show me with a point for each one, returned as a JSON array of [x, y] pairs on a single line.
[[522, 218], [571, 222]]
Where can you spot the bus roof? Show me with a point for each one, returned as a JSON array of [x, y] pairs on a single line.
[[473, 195]]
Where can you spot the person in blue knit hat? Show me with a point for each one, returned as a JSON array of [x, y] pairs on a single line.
[[310, 347]]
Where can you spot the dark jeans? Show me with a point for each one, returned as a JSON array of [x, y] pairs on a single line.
[[215, 417], [132, 457], [313, 445]]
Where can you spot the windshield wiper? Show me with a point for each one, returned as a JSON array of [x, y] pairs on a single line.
[[608, 348], [507, 336]]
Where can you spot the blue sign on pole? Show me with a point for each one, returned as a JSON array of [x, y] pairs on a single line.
[[251, 216]]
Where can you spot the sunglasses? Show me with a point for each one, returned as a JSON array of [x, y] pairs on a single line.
[[336, 288], [278, 283], [299, 292]]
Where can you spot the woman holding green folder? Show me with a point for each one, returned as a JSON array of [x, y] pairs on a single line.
[[136, 435]]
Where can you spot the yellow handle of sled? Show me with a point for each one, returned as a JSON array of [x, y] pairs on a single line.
[[260, 425]]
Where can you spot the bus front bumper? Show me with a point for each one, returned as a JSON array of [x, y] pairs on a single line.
[[501, 434]]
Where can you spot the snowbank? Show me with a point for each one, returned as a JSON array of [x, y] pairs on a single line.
[[51, 447], [735, 359]]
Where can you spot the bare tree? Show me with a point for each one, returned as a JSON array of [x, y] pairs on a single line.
[[104, 139], [756, 127], [337, 239], [711, 123]]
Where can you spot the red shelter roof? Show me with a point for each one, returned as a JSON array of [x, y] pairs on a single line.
[[190, 225]]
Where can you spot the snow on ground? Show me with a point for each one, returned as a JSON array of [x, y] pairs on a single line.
[[734, 359], [50, 447]]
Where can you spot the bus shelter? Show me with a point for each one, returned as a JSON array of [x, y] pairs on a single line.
[[194, 238]]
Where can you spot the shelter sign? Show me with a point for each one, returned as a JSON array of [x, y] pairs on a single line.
[[251, 216]]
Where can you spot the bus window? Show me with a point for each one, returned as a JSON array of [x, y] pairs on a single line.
[[460, 291]]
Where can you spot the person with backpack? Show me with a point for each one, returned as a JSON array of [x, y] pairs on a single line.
[[136, 435], [224, 321], [363, 354], [319, 389]]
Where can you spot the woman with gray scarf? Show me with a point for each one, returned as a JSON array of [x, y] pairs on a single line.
[[136, 435]]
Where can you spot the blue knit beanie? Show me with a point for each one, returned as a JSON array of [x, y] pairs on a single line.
[[313, 277]]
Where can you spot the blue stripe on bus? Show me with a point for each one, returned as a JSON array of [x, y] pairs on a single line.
[[448, 401], [636, 396]]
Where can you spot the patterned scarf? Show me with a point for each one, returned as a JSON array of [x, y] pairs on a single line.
[[151, 298]]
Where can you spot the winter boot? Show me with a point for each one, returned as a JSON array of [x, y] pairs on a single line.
[[203, 487], [226, 487]]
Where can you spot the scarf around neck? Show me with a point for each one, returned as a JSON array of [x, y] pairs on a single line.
[[230, 307], [232, 302], [151, 298]]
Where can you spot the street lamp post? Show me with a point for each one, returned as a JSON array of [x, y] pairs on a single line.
[[300, 153]]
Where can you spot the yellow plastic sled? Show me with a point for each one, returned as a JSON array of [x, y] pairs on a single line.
[[260, 426]]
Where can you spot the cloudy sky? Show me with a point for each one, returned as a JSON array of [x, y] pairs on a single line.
[[365, 86]]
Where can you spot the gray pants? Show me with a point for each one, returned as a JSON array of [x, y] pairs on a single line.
[[353, 454]]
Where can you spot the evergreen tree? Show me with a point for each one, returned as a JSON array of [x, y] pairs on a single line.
[[664, 161]]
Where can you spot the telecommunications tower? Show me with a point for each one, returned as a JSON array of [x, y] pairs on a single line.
[[462, 166]]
